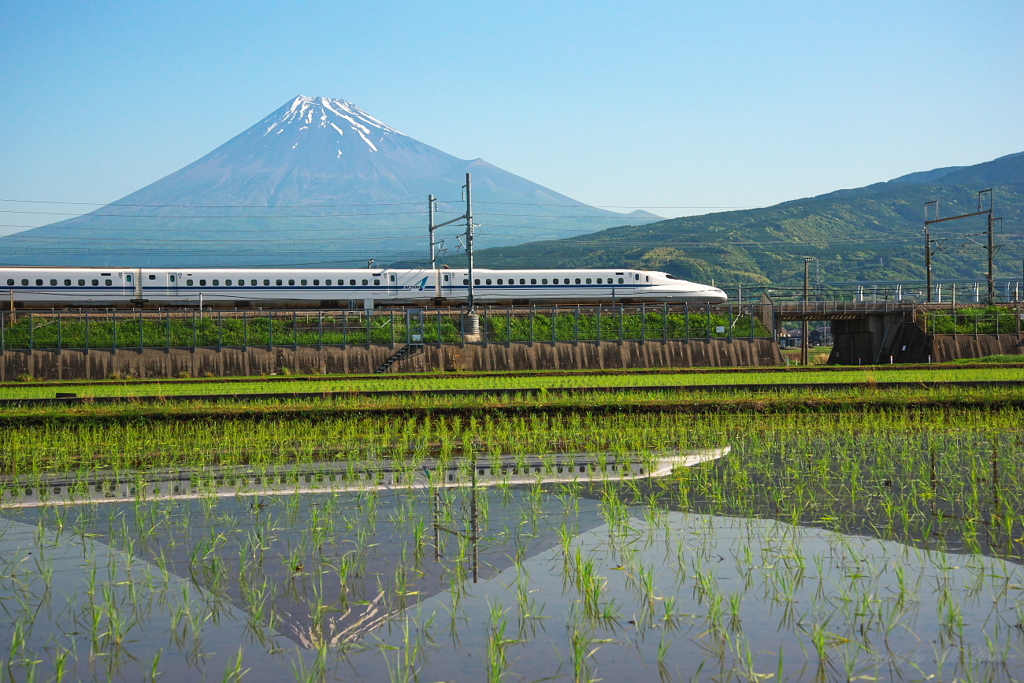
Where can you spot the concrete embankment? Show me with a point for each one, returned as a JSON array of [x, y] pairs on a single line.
[[947, 347], [253, 361]]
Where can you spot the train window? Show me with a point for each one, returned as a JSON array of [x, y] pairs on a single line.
[[555, 281], [316, 283], [588, 281], [53, 282], [488, 280], [188, 283], [39, 283], [291, 283], [227, 283], [476, 281], [465, 280], [598, 280], [152, 277], [522, 281], [279, 282], [620, 280], [648, 278], [392, 278], [24, 282], [376, 282], [128, 278], [266, 283], [302, 282], [10, 282], [81, 283], [251, 282], [365, 282], [637, 275], [577, 281], [352, 283], [446, 278], [202, 283], [108, 283], [328, 282], [95, 283], [216, 283], [67, 283], [500, 281], [544, 281], [172, 278]]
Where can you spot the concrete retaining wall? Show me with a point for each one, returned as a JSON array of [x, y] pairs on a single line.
[[946, 347], [228, 362]]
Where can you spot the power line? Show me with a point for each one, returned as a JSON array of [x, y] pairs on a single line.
[[130, 215], [201, 206], [302, 206], [630, 206]]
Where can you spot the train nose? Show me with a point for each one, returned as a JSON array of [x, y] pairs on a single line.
[[717, 296]]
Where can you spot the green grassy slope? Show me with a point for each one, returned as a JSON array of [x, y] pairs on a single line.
[[867, 234]]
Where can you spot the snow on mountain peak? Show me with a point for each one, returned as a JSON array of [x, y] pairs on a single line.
[[339, 116]]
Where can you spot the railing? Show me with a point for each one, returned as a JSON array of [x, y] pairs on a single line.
[[839, 308], [112, 330], [973, 321]]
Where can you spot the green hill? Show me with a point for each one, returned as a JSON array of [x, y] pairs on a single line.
[[874, 233]]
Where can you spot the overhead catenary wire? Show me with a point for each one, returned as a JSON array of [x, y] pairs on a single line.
[[478, 201]]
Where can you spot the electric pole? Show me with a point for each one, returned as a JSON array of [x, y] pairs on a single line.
[[469, 237], [928, 248], [991, 273], [804, 351], [468, 217], [991, 247], [433, 251]]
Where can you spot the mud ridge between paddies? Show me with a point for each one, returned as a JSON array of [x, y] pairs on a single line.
[[518, 373], [775, 398]]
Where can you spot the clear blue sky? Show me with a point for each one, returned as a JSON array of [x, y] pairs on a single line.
[[656, 104]]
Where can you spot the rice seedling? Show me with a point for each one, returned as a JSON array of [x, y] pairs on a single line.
[[855, 475]]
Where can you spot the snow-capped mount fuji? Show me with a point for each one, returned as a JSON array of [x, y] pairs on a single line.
[[318, 181]]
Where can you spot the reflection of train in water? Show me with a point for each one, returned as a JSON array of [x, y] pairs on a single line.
[[383, 474], [46, 287]]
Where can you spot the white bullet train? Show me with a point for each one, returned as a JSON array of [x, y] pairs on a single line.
[[54, 287]]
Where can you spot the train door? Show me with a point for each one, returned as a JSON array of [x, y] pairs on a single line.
[[172, 283], [444, 279], [392, 282]]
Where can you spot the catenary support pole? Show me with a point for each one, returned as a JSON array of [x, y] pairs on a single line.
[[805, 327], [469, 240], [431, 227]]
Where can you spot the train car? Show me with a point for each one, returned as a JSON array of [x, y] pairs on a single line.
[[329, 288], [59, 287]]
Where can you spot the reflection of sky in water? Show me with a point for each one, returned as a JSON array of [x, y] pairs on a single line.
[[298, 556], [727, 594], [138, 610], [673, 590]]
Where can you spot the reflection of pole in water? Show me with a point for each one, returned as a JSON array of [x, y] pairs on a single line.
[[437, 525], [473, 529], [995, 480], [934, 474]]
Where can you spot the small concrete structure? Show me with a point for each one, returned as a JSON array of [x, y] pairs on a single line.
[[868, 333]]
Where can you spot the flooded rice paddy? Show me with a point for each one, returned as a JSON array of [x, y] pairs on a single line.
[[779, 552]]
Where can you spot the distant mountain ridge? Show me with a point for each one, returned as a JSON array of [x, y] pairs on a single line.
[[866, 234], [318, 180], [1006, 170]]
